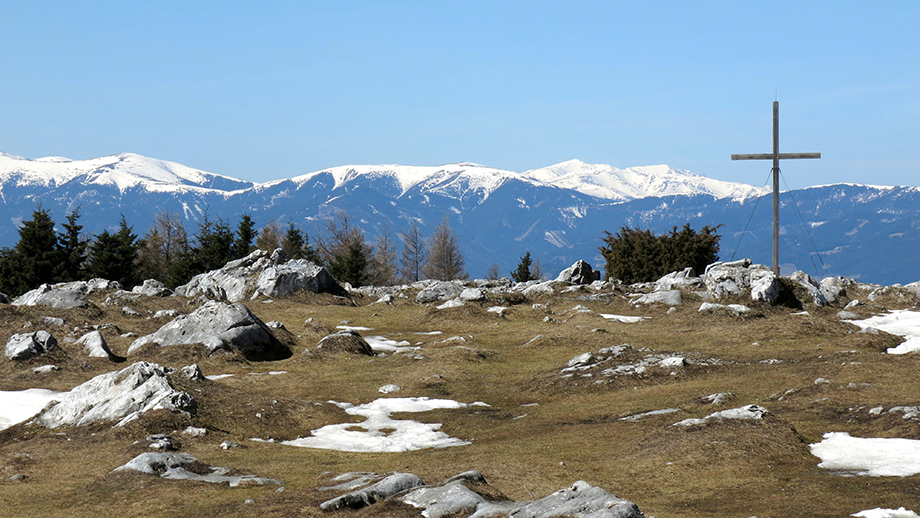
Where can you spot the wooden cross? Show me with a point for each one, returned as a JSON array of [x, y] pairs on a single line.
[[776, 156]]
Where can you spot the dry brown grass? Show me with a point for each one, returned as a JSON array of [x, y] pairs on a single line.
[[575, 431]]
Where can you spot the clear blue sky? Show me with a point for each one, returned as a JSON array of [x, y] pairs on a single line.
[[270, 90]]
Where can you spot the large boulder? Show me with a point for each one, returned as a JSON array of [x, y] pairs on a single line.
[[65, 295], [219, 326], [284, 279], [120, 396], [579, 273], [734, 279], [260, 274], [25, 346]]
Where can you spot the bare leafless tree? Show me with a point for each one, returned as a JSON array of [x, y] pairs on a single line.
[[445, 262], [413, 257]]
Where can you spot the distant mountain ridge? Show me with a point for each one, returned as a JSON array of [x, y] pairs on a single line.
[[559, 213]]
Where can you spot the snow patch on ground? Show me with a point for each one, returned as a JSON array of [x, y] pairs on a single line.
[[848, 455], [18, 405], [878, 512], [901, 322], [623, 318], [382, 344], [380, 432]]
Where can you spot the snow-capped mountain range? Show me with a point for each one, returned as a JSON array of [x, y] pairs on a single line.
[[559, 212]]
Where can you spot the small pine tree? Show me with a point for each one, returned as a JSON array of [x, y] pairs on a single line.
[[523, 273], [245, 235], [352, 266], [73, 248]]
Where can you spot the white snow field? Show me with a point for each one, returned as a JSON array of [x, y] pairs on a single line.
[[901, 322], [380, 432], [18, 405], [848, 455]]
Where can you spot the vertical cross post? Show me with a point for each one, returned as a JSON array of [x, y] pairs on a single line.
[[776, 156]]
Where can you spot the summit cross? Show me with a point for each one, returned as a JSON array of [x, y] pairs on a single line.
[[776, 156]]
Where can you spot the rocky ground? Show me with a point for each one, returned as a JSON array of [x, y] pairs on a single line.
[[732, 393]]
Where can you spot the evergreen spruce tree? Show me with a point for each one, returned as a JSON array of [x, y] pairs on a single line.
[[296, 245], [113, 256], [245, 235], [35, 259], [352, 266], [73, 247], [523, 273], [344, 250]]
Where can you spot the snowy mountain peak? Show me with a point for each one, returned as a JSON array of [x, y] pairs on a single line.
[[126, 170], [604, 181]]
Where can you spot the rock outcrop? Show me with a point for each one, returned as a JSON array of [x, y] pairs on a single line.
[[219, 326], [65, 295], [260, 274], [120, 396], [463, 495], [439, 291]]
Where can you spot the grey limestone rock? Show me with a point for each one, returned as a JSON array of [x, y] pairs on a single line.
[[811, 286], [120, 396], [172, 466], [580, 499], [669, 297], [152, 288], [389, 486], [439, 291], [219, 326], [24, 346], [94, 345], [579, 273], [682, 280], [260, 274], [64, 295]]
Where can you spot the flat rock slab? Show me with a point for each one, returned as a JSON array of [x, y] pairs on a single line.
[[172, 466]]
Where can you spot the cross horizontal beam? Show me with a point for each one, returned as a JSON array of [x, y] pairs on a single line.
[[781, 156]]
